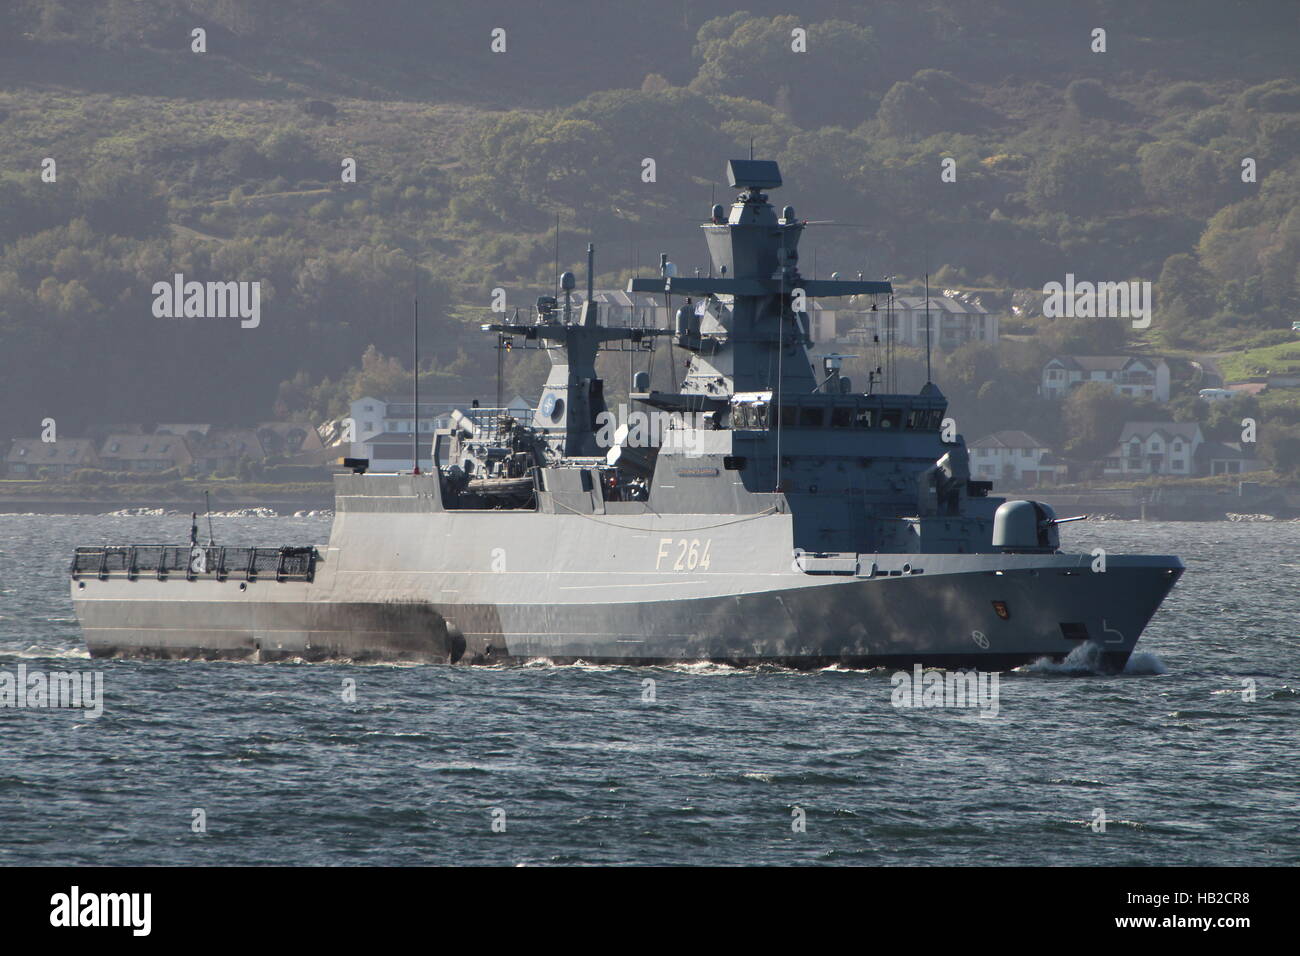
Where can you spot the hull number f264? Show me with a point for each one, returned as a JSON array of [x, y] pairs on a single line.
[[683, 554]]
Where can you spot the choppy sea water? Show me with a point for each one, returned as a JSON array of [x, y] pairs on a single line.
[[580, 769]]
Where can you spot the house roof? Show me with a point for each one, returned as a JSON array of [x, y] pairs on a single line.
[[1219, 450], [1009, 439], [1144, 430], [938, 303], [144, 447], [65, 451], [229, 443], [1101, 363], [1247, 388]]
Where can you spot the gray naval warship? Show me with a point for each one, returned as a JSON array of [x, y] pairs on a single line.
[[778, 516]]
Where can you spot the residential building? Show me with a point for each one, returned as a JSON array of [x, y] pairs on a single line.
[[827, 323], [33, 458], [953, 322], [1132, 375], [1155, 448], [221, 450], [1226, 458], [1015, 457], [144, 453]]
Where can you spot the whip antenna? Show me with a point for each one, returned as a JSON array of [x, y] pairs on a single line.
[[415, 388]]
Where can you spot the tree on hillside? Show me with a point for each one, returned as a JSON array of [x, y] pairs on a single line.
[[1087, 336], [744, 55], [1093, 416], [588, 159], [909, 112], [1223, 419], [1085, 179], [933, 101], [1185, 294], [1280, 447], [1186, 177], [1089, 99]]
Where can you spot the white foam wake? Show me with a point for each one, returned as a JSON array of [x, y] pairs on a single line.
[[1086, 659]]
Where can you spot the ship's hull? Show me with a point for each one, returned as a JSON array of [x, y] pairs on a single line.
[[985, 611]]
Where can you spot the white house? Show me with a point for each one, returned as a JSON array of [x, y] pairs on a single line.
[[953, 321], [1015, 457], [828, 324], [1132, 375], [1155, 448]]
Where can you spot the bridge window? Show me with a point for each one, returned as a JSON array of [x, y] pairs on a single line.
[[891, 418], [842, 416], [866, 417], [924, 418], [749, 415], [812, 416]]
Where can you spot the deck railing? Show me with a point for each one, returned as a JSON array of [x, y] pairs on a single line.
[[201, 561]]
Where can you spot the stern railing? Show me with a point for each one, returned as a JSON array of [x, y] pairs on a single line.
[[200, 561]]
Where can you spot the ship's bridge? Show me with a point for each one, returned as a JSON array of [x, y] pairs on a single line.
[[754, 411]]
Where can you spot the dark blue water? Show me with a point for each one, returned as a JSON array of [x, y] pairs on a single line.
[[286, 771]]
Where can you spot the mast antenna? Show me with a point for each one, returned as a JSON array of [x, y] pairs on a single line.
[[927, 329], [415, 389], [775, 404], [501, 361]]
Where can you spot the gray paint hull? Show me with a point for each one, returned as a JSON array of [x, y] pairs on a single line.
[[391, 587]]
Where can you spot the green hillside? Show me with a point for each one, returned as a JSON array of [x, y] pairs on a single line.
[[226, 165]]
